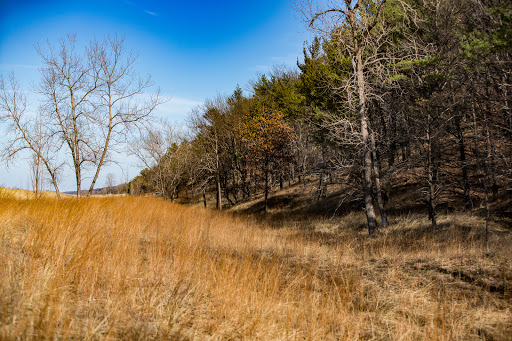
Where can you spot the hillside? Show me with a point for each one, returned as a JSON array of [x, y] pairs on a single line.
[[142, 268], [22, 194]]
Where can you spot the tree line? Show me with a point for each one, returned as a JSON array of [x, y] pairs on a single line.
[[389, 93]]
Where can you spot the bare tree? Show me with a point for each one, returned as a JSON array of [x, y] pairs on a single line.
[[110, 182], [209, 125], [27, 133], [92, 97], [358, 34], [117, 106], [66, 88], [162, 150], [36, 175]]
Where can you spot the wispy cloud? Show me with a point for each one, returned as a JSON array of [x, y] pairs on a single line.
[[176, 108], [260, 68], [290, 59], [151, 13], [184, 101]]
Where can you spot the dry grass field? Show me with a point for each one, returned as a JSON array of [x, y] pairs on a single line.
[[133, 268], [24, 194]]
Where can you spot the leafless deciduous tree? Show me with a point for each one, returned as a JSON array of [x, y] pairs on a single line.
[[91, 97], [110, 183], [27, 132], [36, 174], [162, 150], [209, 125], [117, 106]]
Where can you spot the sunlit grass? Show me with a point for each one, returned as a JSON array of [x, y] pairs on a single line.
[[141, 268], [24, 194]]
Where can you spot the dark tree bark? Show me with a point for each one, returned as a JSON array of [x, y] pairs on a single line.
[[468, 202]]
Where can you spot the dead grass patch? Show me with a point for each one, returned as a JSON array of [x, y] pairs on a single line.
[[141, 268]]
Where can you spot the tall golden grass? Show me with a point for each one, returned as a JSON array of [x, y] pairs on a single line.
[[141, 268]]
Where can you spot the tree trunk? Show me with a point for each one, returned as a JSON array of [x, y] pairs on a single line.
[[431, 175], [103, 154], [367, 160], [266, 186], [78, 182], [219, 193], [54, 182], [486, 198], [468, 202], [489, 155], [320, 184], [236, 186], [376, 176], [493, 171]]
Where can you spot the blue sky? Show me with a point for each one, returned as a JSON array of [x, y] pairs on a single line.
[[193, 50]]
